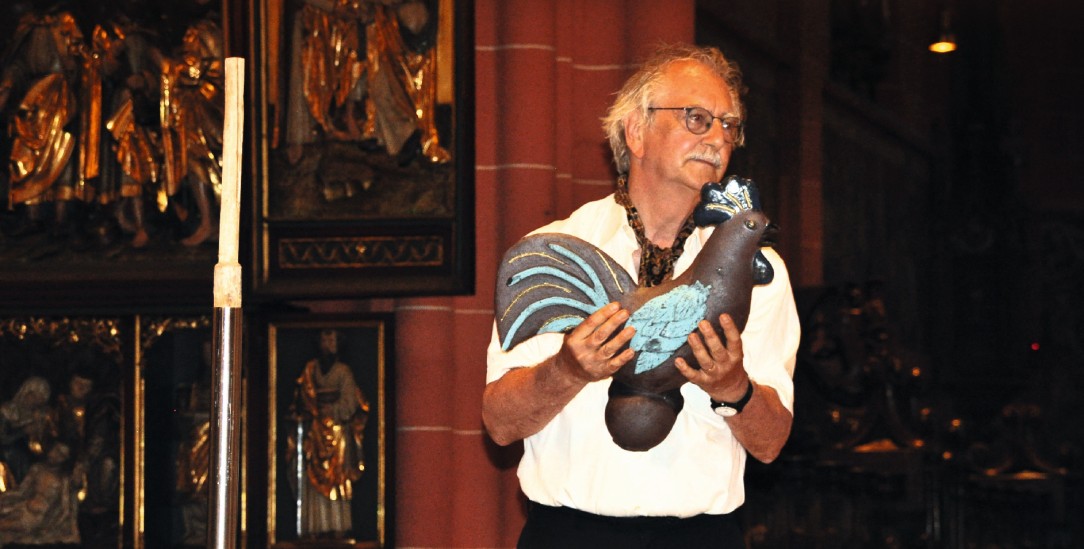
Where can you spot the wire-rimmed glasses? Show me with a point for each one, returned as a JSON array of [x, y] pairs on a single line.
[[699, 120]]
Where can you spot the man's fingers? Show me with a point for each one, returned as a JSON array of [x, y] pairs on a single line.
[[592, 347], [623, 337], [610, 348], [732, 333], [621, 359], [594, 320], [712, 343], [615, 321], [708, 347], [601, 323]]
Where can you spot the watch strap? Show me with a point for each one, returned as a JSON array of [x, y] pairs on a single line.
[[738, 405]]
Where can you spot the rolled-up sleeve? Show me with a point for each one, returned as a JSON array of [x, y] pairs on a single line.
[[772, 333], [528, 353]]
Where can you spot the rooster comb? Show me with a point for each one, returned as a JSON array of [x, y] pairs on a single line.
[[723, 200]]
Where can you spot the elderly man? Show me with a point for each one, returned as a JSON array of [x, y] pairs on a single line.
[[672, 129]]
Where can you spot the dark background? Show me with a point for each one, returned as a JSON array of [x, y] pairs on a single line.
[[943, 344]]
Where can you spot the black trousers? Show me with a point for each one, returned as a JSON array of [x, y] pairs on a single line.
[[565, 528]]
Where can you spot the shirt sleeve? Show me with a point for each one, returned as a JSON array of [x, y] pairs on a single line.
[[528, 353], [772, 333]]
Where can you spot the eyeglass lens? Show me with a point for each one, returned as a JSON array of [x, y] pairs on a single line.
[[698, 120]]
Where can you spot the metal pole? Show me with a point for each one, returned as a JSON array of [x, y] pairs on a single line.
[[300, 470], [222, 528], [227, 412]]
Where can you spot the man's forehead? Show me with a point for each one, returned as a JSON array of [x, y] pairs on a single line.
[[695, 84]]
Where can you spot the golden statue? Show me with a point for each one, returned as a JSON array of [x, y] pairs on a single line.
[[43, 508], [401, 82], [192, 483], [325, 71], [331, 412], [193, 472], [192, 113], [26, 426], [137, 147], [42, 148], [348, 53], [57, 126], [44, 63]]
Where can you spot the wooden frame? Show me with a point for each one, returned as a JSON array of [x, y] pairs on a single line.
[[340, 208], [64, 243], [364, 345]]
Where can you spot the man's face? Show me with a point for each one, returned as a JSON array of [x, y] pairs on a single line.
[[670, 153]]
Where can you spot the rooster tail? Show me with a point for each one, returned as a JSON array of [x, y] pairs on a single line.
[[551, 282]]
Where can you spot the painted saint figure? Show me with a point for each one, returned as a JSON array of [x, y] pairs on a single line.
[[331, 411]]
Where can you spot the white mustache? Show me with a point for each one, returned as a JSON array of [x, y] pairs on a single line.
[[707, 156]]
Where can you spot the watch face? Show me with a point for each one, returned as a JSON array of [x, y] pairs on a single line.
[[725, 411]]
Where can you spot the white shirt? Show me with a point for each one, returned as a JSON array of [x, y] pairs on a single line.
[[699, 467]]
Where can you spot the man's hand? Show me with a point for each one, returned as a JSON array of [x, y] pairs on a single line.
[[524, 400], [589, 353], [764, 424], [722, 373]]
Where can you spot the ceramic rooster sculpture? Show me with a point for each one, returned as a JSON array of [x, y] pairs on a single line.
[[550, 282]]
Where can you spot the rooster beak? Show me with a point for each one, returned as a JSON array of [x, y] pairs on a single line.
[[768, 239]]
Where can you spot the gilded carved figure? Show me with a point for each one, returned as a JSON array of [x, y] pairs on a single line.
[[361, 105], [331, 412], [364, 71], [192, 109], [87, 420], [105, 118], [194, 453], [325, 66], [43, 508], [26, 426], [401, 80], [38, 83], [133, 124]]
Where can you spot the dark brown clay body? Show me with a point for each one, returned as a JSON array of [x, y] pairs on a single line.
[[549, 282]]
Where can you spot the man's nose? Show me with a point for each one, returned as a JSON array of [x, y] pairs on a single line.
[[716, 135]]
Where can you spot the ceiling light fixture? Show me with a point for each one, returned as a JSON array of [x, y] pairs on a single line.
[[946, 39]]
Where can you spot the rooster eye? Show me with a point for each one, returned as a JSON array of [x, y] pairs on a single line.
[[750, 224]]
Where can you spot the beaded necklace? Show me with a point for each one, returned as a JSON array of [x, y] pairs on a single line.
[[656, 264]]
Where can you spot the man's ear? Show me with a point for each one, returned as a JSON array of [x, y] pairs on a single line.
[[634, 133]]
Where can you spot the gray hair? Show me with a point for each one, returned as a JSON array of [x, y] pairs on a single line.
[[640, 89]]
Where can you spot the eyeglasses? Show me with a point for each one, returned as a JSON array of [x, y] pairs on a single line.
[[698, 121]]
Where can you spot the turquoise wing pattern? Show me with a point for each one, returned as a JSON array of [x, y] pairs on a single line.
[[664, 323]]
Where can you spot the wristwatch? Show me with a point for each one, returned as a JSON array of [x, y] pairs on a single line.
[[730, 409]]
